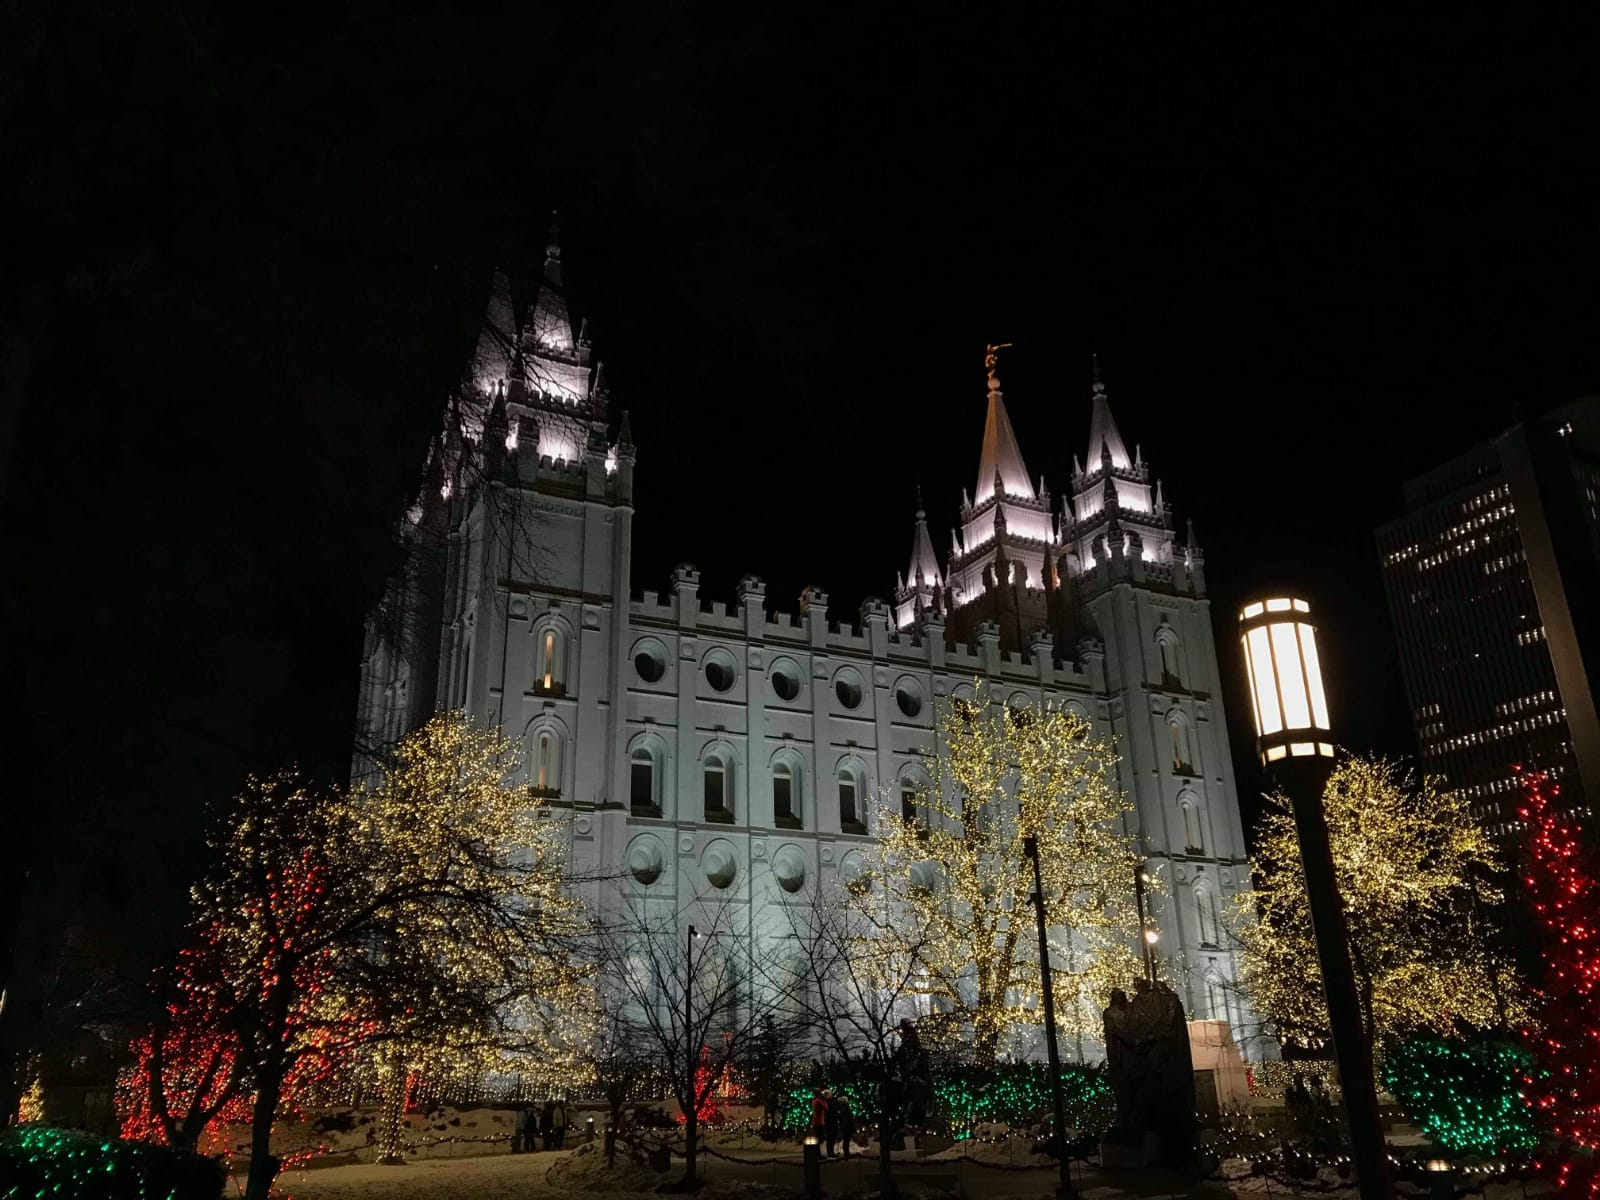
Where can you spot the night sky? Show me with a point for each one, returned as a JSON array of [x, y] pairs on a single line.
[[1314, 255]]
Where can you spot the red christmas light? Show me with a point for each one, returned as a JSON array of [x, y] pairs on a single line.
[[1561, 882], [202, 1079]]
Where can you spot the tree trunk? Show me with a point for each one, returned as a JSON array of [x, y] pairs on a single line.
[[263, 1167], [887, 1125], [186, 1136], [985, 1043], [691, 1137]]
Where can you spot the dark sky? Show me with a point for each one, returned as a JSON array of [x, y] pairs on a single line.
[[1316, 252]]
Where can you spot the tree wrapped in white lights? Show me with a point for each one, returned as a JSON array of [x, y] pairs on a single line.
[[1414, 871], [422, 923], [955, 872]]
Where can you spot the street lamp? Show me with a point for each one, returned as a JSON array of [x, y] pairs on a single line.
[[1030, 847], [1148, 937], [689, 1122], [1294, 737]]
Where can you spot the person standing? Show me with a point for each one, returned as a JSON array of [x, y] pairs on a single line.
[[546, 1125], [558, 1124], [521, 1138], [830, 1121], [847, 1120], [819, 1115]]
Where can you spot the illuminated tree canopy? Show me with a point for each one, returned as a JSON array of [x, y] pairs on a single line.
[[1408, 858], [420, 922], [1564, 886], [954, 872]]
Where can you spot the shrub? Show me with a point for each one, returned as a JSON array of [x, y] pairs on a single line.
[[36, 1161], [964, 1096], [1465, 1094]]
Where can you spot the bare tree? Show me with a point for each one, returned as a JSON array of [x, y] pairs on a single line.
[[685, 1000], [853, 990]]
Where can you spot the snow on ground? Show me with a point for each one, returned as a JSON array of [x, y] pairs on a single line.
[[492, 1177], [1013, 1152], [551, 1176], [586, 1170]]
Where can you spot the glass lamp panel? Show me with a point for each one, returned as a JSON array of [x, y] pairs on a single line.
[[1269, 718], [1319, 701], [1291, 683]]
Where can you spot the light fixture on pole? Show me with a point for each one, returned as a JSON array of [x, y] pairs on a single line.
[[1148, 937], [689, 1053], [1294, 736], [1064, 1189]]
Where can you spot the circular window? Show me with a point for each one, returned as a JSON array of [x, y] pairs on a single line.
[[853, 873], [789, 868], [650, 663], [908, 696], [786, 681], [719, 673], [645, 860], [848, 688], [720, 865]]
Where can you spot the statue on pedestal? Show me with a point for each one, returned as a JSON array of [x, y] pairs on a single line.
[[1152, 1075]]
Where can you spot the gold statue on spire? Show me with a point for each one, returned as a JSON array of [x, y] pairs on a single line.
[[991, 358]]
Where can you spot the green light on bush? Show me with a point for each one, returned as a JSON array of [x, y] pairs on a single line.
[[1466, 1095]]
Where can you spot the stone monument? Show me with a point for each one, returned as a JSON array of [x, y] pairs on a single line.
[[1152, 1078]]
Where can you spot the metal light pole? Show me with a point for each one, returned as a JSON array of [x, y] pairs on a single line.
[[1030, 847], [1147, 936], [689, 1129], [1295, 740]]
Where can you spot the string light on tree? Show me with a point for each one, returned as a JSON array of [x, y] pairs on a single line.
[[956, 874], [1408, 857], [369, 936], [1561, 882]]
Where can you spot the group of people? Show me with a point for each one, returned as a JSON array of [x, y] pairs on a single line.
[[832, 1121], [1309, 1108], [550, 1126]]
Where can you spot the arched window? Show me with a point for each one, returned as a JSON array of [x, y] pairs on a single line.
[[552, 664], [547, 763], [1205, 909], [1216, 996], [913, 812], [718, 788], [786, 795], [1167, 646], [1182, 751], [464, 671], [850, 801], [642, 795], [1193, 839]]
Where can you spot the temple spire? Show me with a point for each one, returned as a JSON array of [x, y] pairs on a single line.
[[924, 568], [1001, 458], [1103, 435], [550, 322]]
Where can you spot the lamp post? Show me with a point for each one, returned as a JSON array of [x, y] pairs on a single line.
[[1295, 740], [1147, 935], [689, 1123], [1030, 847]]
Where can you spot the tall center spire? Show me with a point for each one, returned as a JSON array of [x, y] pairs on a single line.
[[1103, 435], [1001, 456]]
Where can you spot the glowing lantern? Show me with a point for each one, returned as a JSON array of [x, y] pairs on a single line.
[[1286, 696]]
